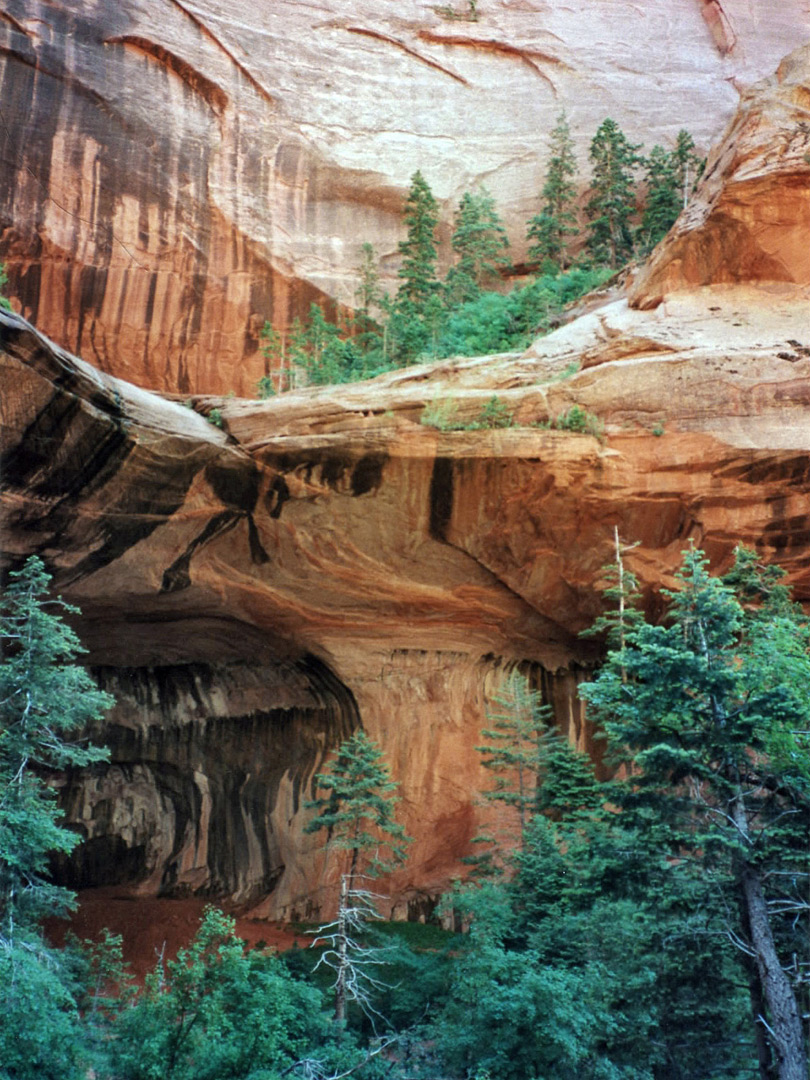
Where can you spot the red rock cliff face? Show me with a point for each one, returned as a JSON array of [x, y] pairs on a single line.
[[172, 175], [253, 594]]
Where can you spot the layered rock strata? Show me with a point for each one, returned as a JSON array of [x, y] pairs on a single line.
[[173, 175], [252, 594]]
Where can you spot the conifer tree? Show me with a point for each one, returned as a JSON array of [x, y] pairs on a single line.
[[418, 270], [688, 165], [557, 221], [369, 298], [513, 751], [612, 203], [713, 713], [663, 202], [479, 242], [359, 807], [44, 697], [358, 816]]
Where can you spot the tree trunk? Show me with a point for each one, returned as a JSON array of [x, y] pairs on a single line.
[[784, 1021], [343, 958]]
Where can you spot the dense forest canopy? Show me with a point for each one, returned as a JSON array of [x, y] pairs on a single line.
[[654, 925]]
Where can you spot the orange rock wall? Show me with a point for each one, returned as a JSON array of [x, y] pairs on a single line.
[[172, 175]]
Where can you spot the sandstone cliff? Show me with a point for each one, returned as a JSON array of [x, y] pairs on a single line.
[[252, 594], [174, 174]]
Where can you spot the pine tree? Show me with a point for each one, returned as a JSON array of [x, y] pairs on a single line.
[[358, 816], [479, 242], [687, 164], [663, 202], [612, 202], [43, 698], [358, 811], [514, 751], [557, 221], [418, 270], [712, 711], [369, 297]]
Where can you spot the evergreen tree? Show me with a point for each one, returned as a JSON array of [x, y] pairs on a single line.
[[514, 750], [319, 350], [358, 816], [418, 270], [479, 242], [44, 698], [612, 201], [358, 811], [663, 197], [687, 164], [557, 221], [713, 712], [369, 297]]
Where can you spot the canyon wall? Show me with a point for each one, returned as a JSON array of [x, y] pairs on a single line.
[[172, 175], [253, 592]]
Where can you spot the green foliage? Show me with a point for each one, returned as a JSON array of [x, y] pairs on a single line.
[[514, 744], [218, 1011], [663, 197], [713, 712], [688, 165], [370, 299], [41, 1032], [442, 414], [44, 697], [581, 421], [502, 322], [557, 221], [418, 269], [358, 811], [3, 282], [265, 388], [273, 351], [495, 414], [479, 242], [613, 201], [214, 416]]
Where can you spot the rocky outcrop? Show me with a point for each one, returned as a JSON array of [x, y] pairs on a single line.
[[252, 594], [169, 181], [750, 217]]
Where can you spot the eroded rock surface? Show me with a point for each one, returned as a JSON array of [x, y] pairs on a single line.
[[252, 594], [174, 174], [749, 221]]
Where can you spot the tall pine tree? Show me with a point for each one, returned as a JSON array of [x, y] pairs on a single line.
[[712, 712], [479, 242], [663, 202], [613, 199], [418, 250], [556, 224]]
